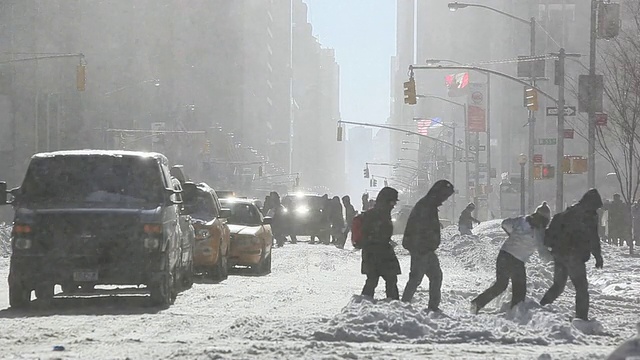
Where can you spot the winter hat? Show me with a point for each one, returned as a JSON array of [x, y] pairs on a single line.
[[471, 206], [387, 194], [543, 210]]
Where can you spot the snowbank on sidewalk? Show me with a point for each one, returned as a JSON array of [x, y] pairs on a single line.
[[468, 264], [5, 240]]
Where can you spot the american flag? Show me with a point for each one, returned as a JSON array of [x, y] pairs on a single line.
[[425, 124]]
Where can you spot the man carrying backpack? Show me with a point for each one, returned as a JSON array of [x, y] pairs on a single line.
[[572, 237], [378, 257], [422, 238], [526, 235]]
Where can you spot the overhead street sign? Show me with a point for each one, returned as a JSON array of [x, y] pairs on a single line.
[[477, 148], [568, 111], [547, 141]]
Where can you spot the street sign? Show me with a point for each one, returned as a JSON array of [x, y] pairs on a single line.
[[537, 158], [477, 148], [468, 159], [568, 111], [568, 133], [601, 119], [547, 141]]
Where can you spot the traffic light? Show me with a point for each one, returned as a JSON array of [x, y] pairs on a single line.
[[366, 173], [81, 77], [386, 183], [537, 171], [375, 182], [297, 183], [339, 134], [548, 171], [260, 171], [531, 98], [207, 147], [410, 92]]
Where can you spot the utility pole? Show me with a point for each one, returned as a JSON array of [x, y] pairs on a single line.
[[466, 153], [562, 55], [560, 141], [488, 145], [591, 152], [532, 114]]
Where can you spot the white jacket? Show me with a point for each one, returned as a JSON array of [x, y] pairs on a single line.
[[523, 239]]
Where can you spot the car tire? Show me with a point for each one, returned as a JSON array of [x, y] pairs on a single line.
[[187, 276], [44, 292], [221, 270], [162, 291], [19, 296], [266, 266]]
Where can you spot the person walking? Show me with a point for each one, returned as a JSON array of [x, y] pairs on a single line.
[[466, 220], [422, 238], [525, 235], [573, 237], [336, 217], [349, 212], [378, 257]]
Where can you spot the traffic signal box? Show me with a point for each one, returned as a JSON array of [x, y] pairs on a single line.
[[543, 171], [530, 98], [410, 97], [366, 173], [574, 164]]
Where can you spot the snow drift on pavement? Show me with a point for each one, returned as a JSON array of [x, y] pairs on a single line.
[[468, 264]]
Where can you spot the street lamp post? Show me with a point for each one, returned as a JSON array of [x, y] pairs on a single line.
[[453, 6], [522, 160]]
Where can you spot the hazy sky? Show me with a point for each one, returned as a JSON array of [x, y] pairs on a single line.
[[363, 34]]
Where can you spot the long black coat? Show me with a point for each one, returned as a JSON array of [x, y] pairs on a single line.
[[574, 232], [378, 256]]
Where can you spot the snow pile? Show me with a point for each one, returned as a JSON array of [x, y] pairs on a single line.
[[468, 264], [5, 240]]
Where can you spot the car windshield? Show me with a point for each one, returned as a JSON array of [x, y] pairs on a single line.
[[307, 201], [93, 180], [201, 205], [242, 213]]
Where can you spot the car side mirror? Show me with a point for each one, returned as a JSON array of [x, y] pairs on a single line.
[[3, 193], [173, 196], [225, 213], [267, 220]]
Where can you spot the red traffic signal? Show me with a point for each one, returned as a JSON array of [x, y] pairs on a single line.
[[548, 171]]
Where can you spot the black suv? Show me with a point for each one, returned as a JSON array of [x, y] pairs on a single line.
[[305, 215], [92, 217]]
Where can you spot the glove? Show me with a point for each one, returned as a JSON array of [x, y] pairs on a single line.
[[599, 262]]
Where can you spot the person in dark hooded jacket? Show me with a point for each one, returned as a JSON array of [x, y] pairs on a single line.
[[349, 212], [422, 238], [466, 220], [572, 237], [378, 257]]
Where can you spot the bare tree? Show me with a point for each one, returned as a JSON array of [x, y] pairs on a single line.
[[620, 139]]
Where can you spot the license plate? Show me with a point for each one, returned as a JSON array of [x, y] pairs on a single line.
[[85, 276]]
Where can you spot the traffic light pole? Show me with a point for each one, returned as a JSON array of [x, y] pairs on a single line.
[[560, 141], [591, 151], [532, 115]]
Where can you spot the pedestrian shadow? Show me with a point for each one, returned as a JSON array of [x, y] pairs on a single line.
[[90, 305]]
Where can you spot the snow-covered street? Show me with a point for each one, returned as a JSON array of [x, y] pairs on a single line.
[[308, 308]]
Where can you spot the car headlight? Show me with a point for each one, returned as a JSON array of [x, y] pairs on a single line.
[[151, 243], [302, 210], [23, 243], [203, 233], [284, 210]]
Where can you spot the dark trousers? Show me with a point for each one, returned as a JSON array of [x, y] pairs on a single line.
[[421, 265], [391, 283], [569, 267], [507, 268]]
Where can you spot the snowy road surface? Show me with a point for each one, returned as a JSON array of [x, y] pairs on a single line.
[[308, 308]]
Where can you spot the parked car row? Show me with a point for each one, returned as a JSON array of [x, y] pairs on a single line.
[[94, 217]]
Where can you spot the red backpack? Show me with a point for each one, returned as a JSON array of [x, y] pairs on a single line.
[[357, 234]]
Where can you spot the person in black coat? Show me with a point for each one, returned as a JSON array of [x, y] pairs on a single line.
[[572, 237], [422, 238], [350, 212], [466, 220], [378, 257]]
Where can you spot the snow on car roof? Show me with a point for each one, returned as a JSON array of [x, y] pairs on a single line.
[[90, 152]]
